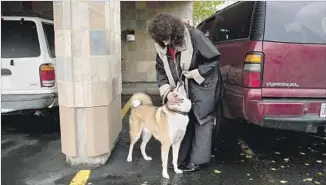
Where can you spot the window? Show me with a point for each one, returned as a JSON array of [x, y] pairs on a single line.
[[233, 22], [49, 37], [19, 39], [296, 22], [206, 28]]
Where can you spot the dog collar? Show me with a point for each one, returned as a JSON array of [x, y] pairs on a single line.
[[180, 112], [177, 111]]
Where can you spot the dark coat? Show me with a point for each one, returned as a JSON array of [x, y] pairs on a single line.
[[199, 55]]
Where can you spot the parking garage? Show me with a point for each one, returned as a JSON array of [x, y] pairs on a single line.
[[97, 68]]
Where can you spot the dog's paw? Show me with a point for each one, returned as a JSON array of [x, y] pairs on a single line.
[[148, 158], [178, 171], [129, 159], [165, 175]]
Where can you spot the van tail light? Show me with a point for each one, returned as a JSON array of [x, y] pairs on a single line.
[[47, 75], [252, 70]]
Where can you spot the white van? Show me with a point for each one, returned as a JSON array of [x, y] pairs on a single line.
[[28, 84]]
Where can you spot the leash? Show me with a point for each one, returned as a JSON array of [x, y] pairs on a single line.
[[182, 83]]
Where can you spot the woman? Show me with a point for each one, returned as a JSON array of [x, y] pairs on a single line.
[[186, 54]]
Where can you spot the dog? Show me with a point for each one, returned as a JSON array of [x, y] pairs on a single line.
[[167, 123]]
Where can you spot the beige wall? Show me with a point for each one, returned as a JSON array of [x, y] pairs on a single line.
[[138, 58]]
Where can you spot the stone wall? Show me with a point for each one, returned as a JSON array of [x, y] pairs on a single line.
[[138, 58]]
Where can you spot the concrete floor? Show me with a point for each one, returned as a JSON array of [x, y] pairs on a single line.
[[31, 156]]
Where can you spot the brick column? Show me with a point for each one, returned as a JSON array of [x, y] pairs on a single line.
[[88, 69]]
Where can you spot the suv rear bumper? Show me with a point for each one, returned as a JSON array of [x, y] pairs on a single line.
[[306, 123], [18, 102], [296, 115]]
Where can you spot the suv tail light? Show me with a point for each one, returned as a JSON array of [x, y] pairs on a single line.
[[252, 70], [47, 75]]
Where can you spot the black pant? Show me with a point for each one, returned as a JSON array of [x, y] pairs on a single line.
[[196, 144]]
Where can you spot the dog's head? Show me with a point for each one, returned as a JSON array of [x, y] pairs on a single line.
[[184, 106]]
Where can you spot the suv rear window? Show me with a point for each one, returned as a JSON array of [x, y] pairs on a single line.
[[19, 39], [49, 36], [296, 22], [232, 23]]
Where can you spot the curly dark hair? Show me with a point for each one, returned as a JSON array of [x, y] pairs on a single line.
[[165, 26]]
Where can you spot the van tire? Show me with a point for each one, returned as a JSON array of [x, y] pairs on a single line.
[[220, 123]]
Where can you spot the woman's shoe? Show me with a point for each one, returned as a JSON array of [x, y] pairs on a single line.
[[190, 168]]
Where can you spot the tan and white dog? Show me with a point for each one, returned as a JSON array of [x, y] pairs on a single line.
[[167, 123]]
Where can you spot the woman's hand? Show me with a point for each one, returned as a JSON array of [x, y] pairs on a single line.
[[188, 74], [173, 98]]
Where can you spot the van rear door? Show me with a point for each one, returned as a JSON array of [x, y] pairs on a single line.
[[20, 56], [295, 46]]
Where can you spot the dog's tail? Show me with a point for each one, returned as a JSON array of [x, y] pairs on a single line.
[[140, 99]]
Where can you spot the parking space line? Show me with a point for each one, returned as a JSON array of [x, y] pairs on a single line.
[[125, 108], [81, 177], [4, 141], [17, 145], [318, 137]]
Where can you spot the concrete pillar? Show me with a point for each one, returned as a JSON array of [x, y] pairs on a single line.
[[88, 54]]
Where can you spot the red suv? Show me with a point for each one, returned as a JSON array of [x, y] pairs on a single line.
[[273, 62]]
